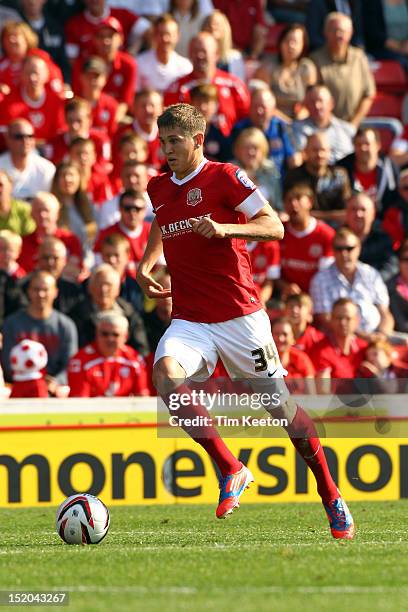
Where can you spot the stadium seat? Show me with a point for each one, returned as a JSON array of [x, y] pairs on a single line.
[[389, 129], [389, 76], [386, 105], [272, 37]]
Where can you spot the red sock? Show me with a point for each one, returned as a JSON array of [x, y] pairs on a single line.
[[206, 435], [304, 438]]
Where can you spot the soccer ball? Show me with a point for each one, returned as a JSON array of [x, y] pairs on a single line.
[[82, 519], [27, 359]]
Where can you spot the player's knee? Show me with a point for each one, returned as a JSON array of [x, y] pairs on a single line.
[[167, 375]]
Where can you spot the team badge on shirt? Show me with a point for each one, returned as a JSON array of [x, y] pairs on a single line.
[[244, 179], [194, 197]]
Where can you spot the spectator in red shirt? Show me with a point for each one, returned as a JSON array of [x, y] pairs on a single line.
[[92, 79], [294, 360], [78, 118], [132, 225], [247, 23], [108, 367], [45, 212], [131, 147], [307, 244], [340, 354], [265, 259], [10, 249], [299, 311], [32, 100], [94, 179], [233, 95]]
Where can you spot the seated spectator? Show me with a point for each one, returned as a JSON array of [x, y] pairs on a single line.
[[340, 354], [49, 30], [247, 24], [121, 66], [78, 118], [18, 40], [319, 103], [11, 298], [386, 30], [45, 211], [288, 11], [40, 322], [395, 220], [28, 360], [307, 244], [299, 311], [348, 277], [317, 14], [294, 360], [10, 249], [233, 94], [265, 259], [262, 115], [291, 72], [217, 146], [369, 170], [231, 60], [132, 225], [15, 215], [32, 100], [398, 289], [398, 152], [251, 154], [161, 65], [133, 147], [76, 212], [189, 15], [93, 177], [108, 367], [80, 28], [115, 250], [330, 183], [93, 77], [376, 245], [344, 70], [102, 296], [28, 171], [133, 176]]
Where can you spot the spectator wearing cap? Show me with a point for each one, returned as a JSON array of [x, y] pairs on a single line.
[[108, 367], [329, 182], [319, 104], [307, 244], [217, 146], [15, 215], [369, 170], [92, 79], [299, 310], [233, 95], [344, 70], [395, 220], [121, 66], [80, 29], [161, 65], [349, 277], [247, 23], [376, 245], [28, 171]]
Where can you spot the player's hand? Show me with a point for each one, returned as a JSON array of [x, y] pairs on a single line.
[[207, 228], [151, 287]]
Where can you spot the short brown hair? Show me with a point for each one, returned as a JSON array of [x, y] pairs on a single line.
[[343, 301], [183, 116], [345, 232], [302, 299], [75, 104], [205, 91], [115, 240]]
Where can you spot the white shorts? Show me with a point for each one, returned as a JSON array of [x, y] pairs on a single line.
[[245, 346]]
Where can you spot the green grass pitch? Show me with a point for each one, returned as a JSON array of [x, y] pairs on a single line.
[[174, 558]]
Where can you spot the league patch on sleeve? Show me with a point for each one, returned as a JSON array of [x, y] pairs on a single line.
[[244, 179]]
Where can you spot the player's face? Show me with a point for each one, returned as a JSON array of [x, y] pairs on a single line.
[[110, 338], [344, 320], [183, 152]]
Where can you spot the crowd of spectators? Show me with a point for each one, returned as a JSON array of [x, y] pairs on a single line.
[[82, 83]]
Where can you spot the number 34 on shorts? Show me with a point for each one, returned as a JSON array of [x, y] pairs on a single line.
[[263, 355]]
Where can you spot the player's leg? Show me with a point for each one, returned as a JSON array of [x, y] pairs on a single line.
[[184, 351], [248, 350]]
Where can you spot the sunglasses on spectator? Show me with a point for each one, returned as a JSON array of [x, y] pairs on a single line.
[[129, 208], [344, 247], [21, 136], [107, 334]]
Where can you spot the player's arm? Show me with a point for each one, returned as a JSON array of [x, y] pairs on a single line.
[[154, 249], [264, 225]]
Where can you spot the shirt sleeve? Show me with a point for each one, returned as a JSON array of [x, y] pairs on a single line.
[[381, 297], [241, 193]]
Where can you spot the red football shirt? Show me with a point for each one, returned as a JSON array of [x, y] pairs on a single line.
[[57, 148], [243, 16], [328, 356], [90, 374], [308, 340], [302, 252], [31, 242], [10, 72], [46, 115], [367, 182], [211, 280], [233, 97], [265, 259], [104, 114]]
